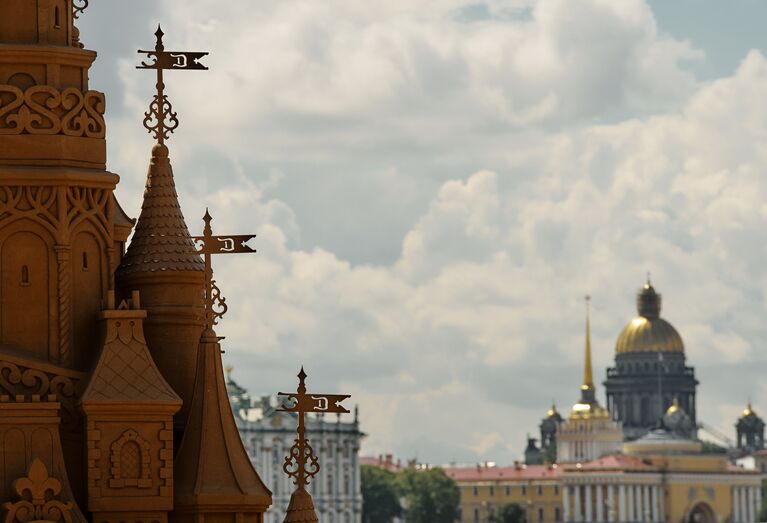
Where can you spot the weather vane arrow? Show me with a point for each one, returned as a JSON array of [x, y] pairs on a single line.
[[302, 464], [160, 119], [208, 245]]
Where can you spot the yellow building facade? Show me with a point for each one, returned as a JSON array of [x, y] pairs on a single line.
[[658, 479], [486, 490]]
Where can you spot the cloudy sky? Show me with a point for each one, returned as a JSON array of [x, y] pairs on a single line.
[[436, 184]]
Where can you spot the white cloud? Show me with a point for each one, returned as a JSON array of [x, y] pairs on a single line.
[[510, 164]]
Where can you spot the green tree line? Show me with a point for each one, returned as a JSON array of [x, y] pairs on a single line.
[[418, 496]]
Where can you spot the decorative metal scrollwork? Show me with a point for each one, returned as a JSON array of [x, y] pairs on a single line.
[[217, 302], [79, 7], [295, 462], [160, 120]]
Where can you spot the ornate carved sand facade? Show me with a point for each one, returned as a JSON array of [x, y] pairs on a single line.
[[112, 396]]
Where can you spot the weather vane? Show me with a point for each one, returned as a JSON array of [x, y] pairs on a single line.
[[302, 464], [79, 7], [161, 120], [208, 245]]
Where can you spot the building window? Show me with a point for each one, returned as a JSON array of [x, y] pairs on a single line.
[[475, 491], [492, 491], [540, 490], [556, 490], [540, 514], [524, 490], [476, 515], [508, 490], [557, 516]]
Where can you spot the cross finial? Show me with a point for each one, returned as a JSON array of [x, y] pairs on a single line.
[[208, 219], [649, 278], [302, 381], [159, 46]]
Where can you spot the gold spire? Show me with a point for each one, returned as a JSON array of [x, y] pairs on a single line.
[[588, 375]]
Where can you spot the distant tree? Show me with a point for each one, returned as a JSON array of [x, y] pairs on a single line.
[[380, 495], [430, 496], [512, 513], [709, 447]]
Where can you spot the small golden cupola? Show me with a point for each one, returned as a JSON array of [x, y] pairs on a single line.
[[648, 332], [750, 430]]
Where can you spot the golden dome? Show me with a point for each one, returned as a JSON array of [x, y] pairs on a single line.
[[748, 411], [648, 332], [583, 410]]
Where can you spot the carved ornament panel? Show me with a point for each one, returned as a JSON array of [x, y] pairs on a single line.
[[44, 110]]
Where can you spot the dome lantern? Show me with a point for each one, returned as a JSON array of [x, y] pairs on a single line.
[[648, 301]]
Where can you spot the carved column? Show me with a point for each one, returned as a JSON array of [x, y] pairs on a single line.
[[63, 255]]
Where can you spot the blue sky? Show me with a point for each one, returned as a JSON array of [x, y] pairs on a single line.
[[437, 185]]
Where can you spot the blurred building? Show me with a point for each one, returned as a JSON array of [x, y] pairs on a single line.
[[486, 490], [661, 477], [268, 436], [650, 370], [549, 427], [658, 478], [589, 432], [750, 431]]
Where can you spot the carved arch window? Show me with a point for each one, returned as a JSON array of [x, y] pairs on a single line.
[[130, 458]]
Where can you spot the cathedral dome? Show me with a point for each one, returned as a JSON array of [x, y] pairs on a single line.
[[648, 332]]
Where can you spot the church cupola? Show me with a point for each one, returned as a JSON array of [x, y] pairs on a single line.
[[750, 429]]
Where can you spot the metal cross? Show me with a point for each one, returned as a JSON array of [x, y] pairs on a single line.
[[161, 120], [208, 245], [302, 464]]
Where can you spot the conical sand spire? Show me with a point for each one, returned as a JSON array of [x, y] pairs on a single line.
[[162, 241], [300, 508], [213, 472]]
